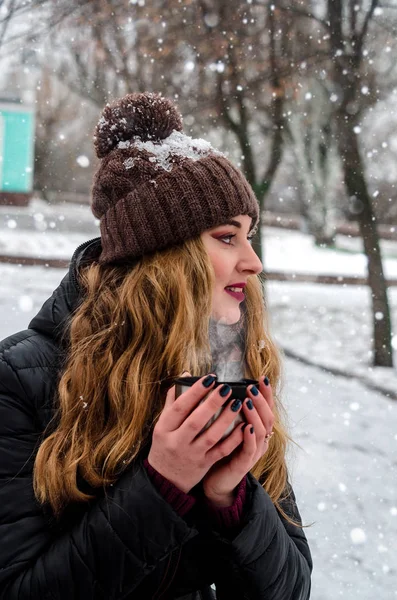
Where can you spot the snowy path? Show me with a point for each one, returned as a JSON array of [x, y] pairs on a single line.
[[331, 325], [345, 475]]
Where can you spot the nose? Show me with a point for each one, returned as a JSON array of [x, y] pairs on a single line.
[[251, 262]]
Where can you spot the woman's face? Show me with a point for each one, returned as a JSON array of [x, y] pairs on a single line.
[[233, 260]]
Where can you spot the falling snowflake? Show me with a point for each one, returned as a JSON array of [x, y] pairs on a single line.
[[25, 303], [358, 536], [83, 161]]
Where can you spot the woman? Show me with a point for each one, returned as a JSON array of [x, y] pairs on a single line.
[[111, 487]]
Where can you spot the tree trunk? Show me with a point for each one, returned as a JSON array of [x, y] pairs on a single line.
[[262, 187], [356, 186], [347, 62]]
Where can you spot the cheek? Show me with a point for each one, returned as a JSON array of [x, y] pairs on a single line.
[[220, 270]]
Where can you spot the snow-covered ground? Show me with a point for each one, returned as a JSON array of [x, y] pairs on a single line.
[[331, 326], [344, 477], [344, 474], [295, 252]]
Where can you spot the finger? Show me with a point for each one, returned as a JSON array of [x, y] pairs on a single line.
[[179, 409], [219, 424], [253, 418], [262, 407], [244, 458], [226, 446], [212, 406], [263, 432], [170, 397], [266, 390]]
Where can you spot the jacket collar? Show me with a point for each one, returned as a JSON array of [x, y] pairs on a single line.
[[53, 317]]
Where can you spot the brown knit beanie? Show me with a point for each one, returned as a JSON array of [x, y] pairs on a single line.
[[155, 186]]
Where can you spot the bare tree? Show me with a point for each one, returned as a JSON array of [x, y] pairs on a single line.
[[348, 29], [225, 62], [310, 129], [61, 140], [349, 64], [7, 10], [249, 56]]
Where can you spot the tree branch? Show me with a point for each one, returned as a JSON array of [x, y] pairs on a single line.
[[223, 106], [45, 30], [364, 29], [304, 13], [276, 108], [387, 5], [6, 21]]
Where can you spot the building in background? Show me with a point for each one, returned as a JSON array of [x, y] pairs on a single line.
[[16, 151]]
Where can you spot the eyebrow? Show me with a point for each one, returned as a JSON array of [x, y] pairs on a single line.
[[231, 222], [235, 223]]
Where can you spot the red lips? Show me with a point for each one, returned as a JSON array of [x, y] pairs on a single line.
[[242, 285]]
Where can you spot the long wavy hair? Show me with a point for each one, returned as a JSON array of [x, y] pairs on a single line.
[[137, 328]]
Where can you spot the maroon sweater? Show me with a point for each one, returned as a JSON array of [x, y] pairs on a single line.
[[226, 517]]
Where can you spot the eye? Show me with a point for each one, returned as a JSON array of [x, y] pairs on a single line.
[[232, 235], [227, 237]]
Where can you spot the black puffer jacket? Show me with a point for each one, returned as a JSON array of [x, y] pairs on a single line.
[[128, 543]]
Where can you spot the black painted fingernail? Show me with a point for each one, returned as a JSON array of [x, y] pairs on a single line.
[[244, 426], [249, 404], [266, 381], [254, 390], [208, 380], [252, 429], [235, 405], [225, 389]]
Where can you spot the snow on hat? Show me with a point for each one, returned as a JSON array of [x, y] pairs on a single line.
[[155, 186]]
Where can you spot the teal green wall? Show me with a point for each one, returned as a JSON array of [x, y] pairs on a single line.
[[16, 149]]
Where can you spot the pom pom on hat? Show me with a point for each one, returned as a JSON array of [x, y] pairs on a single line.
[[147, 116]]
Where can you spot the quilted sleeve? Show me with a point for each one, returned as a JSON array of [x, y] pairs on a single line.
[[108, 552], [269, 557]]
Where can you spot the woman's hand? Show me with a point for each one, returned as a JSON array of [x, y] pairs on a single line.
[[180, 450], [222, 479]]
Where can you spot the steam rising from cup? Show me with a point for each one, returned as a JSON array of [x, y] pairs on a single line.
[[227, 344]]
